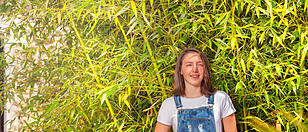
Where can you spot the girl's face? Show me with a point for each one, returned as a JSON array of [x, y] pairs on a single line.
[[192, 69]]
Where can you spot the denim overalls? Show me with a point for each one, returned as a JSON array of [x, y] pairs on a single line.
[[199, 119]]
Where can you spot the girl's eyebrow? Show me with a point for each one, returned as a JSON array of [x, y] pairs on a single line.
[[193, 62]]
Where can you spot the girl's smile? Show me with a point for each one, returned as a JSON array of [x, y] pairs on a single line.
[[192, 69]]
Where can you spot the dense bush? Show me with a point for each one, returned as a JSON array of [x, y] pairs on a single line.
[[108, 65]]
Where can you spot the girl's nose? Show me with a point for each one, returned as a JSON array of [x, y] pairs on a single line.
[[195, 68]]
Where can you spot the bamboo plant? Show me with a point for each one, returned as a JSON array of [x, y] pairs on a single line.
[[108, 65]]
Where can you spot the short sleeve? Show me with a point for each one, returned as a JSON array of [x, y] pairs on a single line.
[[165, 114], [227, 106]]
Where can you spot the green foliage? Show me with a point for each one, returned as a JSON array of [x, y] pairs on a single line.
[[108, 65]]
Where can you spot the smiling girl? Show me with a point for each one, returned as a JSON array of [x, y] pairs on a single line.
[[196, 106]]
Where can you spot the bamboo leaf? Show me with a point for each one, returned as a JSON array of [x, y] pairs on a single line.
[[248, 9], [243, 65], [103, 99], [214, 5], [283, 36], [121, 12], [208, 18], [189, 2], [261, 39], [290, 79], [146, 20], [182, 23], [238, 86], [81, 111], [133, 5], [131, 28], [194, 27], [303, 56], [109, 107], [50, 108], [295, 9], [151, 2], [306, 4], [143, 7], [127, 103], [233, 42], [59, 17], [241, 36], [267, 98], [107, 67]]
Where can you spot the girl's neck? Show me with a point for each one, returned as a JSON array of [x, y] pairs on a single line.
[[192, 92]]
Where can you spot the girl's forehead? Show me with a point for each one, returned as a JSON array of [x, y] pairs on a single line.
[[191, 55]]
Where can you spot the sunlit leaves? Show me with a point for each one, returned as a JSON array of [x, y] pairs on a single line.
[[113, 61]]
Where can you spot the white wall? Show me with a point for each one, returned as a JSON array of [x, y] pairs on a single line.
[[10, 107]]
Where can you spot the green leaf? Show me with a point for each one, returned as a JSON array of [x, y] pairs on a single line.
[[50, 107], [261, 39], [306, 4], [194, 27], [303, 55], [146, 20], [238, 86], [151, 2], [233, 42], [133, 5], [243, 65]]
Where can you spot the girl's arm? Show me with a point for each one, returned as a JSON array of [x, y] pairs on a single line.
[[229, 123], [162, 127]]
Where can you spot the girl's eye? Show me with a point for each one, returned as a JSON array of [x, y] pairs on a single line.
[[200, 64]]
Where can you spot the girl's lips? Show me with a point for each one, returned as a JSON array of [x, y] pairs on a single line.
[[195, 76]]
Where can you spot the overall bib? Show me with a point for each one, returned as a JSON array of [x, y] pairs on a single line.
[[199, 119]]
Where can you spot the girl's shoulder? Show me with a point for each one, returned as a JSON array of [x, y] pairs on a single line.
[[169, 101], [168, 105], [219, 92], [221, 95]]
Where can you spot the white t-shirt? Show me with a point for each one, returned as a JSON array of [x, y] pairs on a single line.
[[222, 108]]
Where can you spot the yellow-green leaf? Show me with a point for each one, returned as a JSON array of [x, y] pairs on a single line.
[[129, 90], [233, 42], [151, 2], [248, 9], [143, 7], [208, 18], [290, 79], [243, 65], [241, 36], [306, 4], [272, 20], [127, 103], [110, 108], [133, 5], [295, 10], [146, 20], [303, 55], [284, 34], [261, 37], [59, 17], [238, 86]]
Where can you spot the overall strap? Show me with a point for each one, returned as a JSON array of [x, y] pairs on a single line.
[[177, 101], [211, 99]]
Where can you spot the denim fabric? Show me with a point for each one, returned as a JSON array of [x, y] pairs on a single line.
[[199, 119]]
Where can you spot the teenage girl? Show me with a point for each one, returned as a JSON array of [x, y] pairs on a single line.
[[196, 106]]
